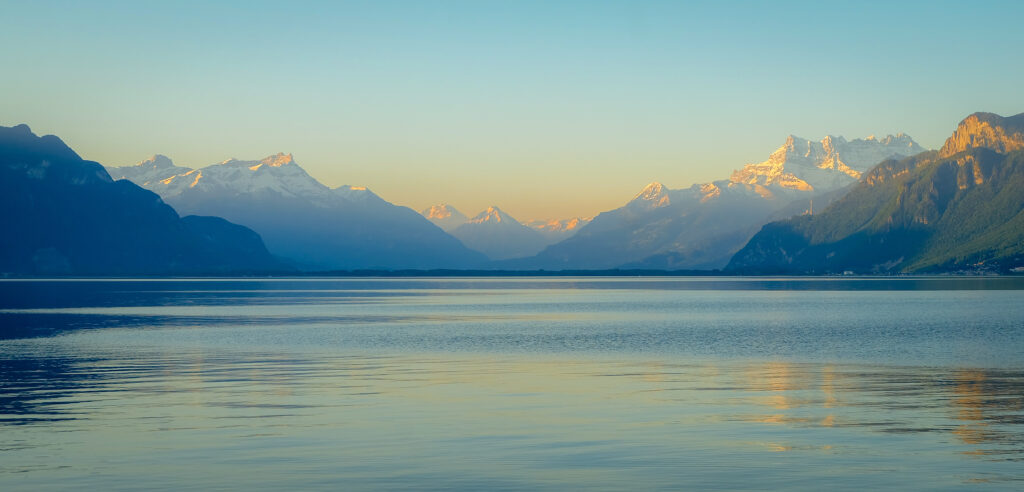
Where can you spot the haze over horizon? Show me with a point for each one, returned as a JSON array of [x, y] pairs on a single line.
[[545, 110]]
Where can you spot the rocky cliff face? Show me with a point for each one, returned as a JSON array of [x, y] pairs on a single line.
[[986, 130]]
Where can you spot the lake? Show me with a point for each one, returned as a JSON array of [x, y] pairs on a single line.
[[512, 383]]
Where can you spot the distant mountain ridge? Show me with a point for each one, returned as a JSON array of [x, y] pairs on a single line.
[[556, 230], [445, 216], [348, 227], [831, 163], [277, 173], [66, 216], [702, 226], [507, 240], [155, 168], [499, 235], [960, 208]]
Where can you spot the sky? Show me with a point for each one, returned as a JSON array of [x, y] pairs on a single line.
[[547, 109]]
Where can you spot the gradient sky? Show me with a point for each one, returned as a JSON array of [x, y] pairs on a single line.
[[546, 109]]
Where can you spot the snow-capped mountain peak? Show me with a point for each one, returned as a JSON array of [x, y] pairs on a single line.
[[499, 235], [559, 225], [801, 164], [653, 195], [277, 160], [555, 230], [444, 216], [441, 211], [278, 174], [158, 161], [493, 215], [651, 191], [154, 169]]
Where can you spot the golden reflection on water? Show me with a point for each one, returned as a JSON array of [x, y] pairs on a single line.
[[557, 420], [979, 400], [495, 384], [772, 382], [969, 401], [828, 377]]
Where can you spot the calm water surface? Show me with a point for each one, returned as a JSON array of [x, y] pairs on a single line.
[[527, 383]]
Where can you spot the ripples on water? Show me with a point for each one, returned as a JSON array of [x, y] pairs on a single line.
[[523, 383]]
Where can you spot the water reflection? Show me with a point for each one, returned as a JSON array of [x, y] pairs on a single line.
[[603, 418], [580, 384], [36, 389], [988, 404], [970, 399]]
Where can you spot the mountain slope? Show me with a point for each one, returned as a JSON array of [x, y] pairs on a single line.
[[499, 236], [960, 208], [320, 228], [701, 227], [66, 215]]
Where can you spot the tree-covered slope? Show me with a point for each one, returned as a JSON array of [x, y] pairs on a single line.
[[926, 213]]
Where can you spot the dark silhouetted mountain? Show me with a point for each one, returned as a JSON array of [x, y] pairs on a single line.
[[958, 209], [65, 215], [701, 227], [299, 218]]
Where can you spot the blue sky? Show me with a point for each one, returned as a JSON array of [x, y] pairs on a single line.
[[546, 109]]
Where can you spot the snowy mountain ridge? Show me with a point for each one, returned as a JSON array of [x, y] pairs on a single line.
[[493, 215], [300, 218], [703, 225], [278, 173], [831, 163], [155, 168], [444, 216]]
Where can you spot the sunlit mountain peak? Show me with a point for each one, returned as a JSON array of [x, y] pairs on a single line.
[[492, 214], [157, 161], [444, 216], [653, 195]]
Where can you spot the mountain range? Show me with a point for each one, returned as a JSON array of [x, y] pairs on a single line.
[[66, 216], [500, 236], [702, 226], [319, 228], [872, 205], [960, 208]]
